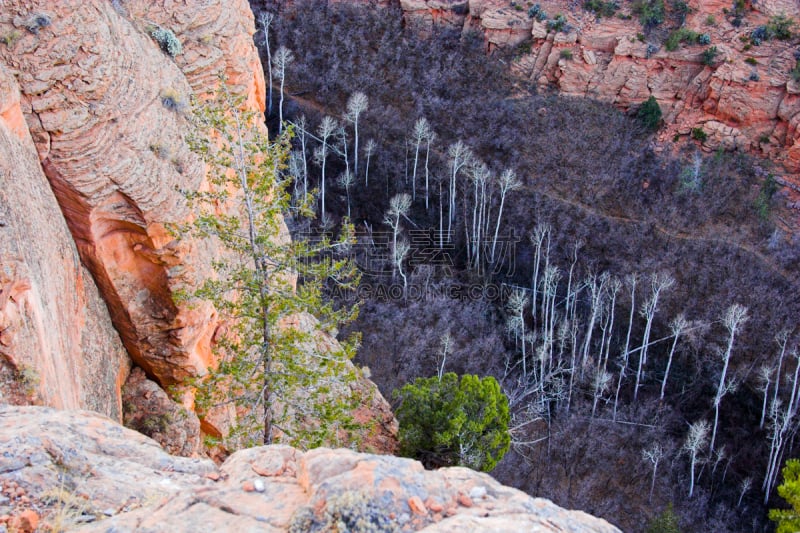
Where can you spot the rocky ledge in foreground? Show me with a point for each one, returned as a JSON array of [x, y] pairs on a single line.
[[79, 470]]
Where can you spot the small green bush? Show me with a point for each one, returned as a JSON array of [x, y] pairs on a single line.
[[709, 56], [704, 38], [680, 36], [566, 53], [780, 27], [751, 61], [680, 9], [37, 22], [788, 520], [795, 72], [10, 38], [665, 522], [536, 12], [600, 8], [559, 23], [651, 12], [167, 40], [172, 100], [454, 421], [763, 201], [649, 114], [699, 135], [736, 12], [351, 511]]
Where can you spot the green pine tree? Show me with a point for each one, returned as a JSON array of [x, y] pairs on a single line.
[[447, 421], [280, 374], [788, 520], [665, 522], [649, 114]]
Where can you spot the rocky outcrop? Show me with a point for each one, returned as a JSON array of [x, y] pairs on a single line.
[[57, 343], [80, 468], [149, 410]]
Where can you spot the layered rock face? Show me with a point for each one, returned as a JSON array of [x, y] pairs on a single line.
[[57, 343], [106, 105], [110, 478], [112, 146], [748, 104]]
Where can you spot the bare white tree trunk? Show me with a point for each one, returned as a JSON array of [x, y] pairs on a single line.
[[735, 316], [677, 326], [266, 21], [658, 284]]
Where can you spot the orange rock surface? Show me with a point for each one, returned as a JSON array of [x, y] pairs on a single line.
[[135, 486], [57, 343], [107, 111]]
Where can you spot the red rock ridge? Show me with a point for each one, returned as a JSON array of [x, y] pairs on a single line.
[[740, 105], [135, 486]]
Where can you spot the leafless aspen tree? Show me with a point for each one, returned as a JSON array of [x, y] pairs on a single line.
[[764, 378], [428, 141], [654, 454], [460, 156], [401, 250], [677, 326], [356, 105], [695, 442], [369, 149], [283, 58], [346, 180], [658, 284], [538, 237], [516, 323], [266, 20], [420, 132], [446, 345], [735, 316], [398, 208], [744, 488], [326, 128], [508, 182]]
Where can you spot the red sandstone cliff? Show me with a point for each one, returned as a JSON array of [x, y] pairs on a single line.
[[105, 108], [57, 343]]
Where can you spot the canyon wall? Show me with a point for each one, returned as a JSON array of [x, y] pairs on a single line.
[[57, 342], [107, 107], [745, 99]]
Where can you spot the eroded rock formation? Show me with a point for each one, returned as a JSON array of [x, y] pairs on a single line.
[[57, 343], [106, 105], [111, 478]]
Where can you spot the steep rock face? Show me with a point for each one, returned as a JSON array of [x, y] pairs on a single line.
[[111, 138], [57, 343], [122, 481], [115, 156]]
